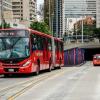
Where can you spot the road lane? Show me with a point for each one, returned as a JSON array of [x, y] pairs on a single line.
[[15, 88], [60, 87]]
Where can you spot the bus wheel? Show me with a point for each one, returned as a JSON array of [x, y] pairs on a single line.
[[50, 66], [60, 64], [38, 67], [49, 70], [37, 70]]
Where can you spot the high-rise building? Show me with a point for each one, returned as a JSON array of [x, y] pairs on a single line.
[[78, 8], [24, 10], [98, 14], [58, 18], [48, 11], [6, 10], [53, 16]]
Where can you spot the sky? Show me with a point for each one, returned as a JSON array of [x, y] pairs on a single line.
[[39, 1]]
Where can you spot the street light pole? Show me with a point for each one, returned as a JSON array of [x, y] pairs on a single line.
[[49, 15], [68, 30], [66, 24], [2, 16], [76, 28], [52, 16], [82, 28]]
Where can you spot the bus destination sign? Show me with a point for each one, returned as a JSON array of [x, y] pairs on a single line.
[[14, 33]]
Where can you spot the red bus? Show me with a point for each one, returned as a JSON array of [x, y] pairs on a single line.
[[28, 51]]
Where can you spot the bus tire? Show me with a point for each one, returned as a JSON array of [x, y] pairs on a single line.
[[50, 65], [60, 64], [38, 67]]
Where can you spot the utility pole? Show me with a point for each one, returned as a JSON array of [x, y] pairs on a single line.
[[50, 14], [82, 29], [83, 15], [56, 18], [76, 28], [2, 16]]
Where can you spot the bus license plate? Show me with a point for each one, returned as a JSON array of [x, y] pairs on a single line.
[[11, 70]]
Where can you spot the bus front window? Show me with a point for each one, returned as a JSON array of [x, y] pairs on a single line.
[[14, 47]]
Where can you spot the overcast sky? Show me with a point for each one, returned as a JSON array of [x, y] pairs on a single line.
[[39, 1]]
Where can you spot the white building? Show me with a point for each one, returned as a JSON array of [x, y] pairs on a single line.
[[98, 14], [78, 8], [6, 10], [24, 10]]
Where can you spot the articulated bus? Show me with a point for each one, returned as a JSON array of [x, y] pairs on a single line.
[[24, 51]]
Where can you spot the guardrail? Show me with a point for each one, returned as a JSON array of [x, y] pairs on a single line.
[[77, 43]]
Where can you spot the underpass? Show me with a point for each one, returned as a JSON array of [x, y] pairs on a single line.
[[77, 53], [91, 50]]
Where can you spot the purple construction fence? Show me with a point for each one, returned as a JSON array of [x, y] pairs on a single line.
[[73, 56]]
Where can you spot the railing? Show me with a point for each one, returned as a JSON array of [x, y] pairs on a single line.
[[78, 39], [72, 42]]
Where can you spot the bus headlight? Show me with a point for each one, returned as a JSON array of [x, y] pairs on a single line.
[[27, 63]]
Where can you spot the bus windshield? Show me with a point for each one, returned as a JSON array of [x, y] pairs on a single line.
[[14, 47]]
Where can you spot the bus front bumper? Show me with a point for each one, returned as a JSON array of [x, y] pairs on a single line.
[[8, 70]]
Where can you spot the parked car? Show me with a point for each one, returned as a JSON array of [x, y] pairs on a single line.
[[96, 59]]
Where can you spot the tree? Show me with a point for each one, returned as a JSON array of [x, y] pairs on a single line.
[[40, 26], [97, 32], [5, 25]]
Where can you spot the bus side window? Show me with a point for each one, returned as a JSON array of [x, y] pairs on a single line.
[[49, 45], [61, 46], [44, 43], [40, 43], [34, 42], [57, 46]]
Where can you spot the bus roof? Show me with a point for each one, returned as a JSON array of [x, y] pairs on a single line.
[[35, 32]]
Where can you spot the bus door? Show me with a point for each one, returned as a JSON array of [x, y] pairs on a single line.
[[61, 50], [57, 50], [53, 51], [45, 49]]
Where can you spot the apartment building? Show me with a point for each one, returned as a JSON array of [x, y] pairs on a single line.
[[24, 11], [6, 10], [98, 14]]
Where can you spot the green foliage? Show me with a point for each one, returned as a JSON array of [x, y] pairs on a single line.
[[87, 30], [97, 32], [40, 26], [5, 25]]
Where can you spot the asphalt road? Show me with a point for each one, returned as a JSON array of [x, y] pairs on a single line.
[[69, 83]]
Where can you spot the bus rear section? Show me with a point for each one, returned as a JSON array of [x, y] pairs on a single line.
[[58, 53]]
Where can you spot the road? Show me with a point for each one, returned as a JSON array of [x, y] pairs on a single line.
[[69, 83]]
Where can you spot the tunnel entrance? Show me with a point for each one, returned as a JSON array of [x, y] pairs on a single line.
[[89, 52]]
